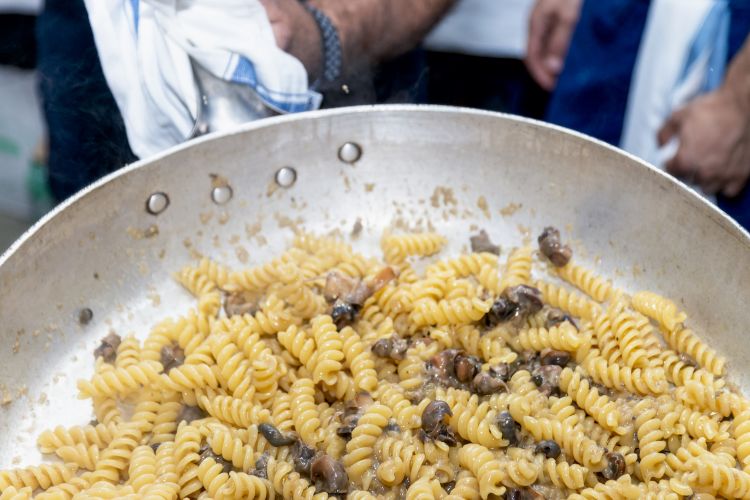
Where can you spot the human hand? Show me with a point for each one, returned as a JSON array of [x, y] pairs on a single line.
[[296, 32], [714, 142], [551, 27]]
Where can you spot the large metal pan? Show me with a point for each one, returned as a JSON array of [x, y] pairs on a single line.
[[102, 250]]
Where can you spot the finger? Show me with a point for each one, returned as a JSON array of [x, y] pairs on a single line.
[[670, 128], [734, 188], [539, 26], [541, 76], [677, 166], [711, 187], [557, 45]]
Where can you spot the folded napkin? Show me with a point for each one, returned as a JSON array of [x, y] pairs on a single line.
[[145, 47]]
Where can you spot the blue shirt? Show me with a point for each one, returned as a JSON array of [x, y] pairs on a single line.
[[592, 91]]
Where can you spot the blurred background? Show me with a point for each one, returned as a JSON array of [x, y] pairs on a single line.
[[87, 87]]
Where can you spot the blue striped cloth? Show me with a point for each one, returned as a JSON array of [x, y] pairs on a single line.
[[147, 49], [708, 50]]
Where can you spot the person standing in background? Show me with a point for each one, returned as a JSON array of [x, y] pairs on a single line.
[[475, 57], [602, 88], [87, 135]]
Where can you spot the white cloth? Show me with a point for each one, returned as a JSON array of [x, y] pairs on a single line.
[[664, 78], [145, 48], [493, 28]]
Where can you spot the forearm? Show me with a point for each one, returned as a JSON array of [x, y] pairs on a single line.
[[373, 30]]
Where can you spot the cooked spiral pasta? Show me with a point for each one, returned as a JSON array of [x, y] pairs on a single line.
[[195, 282], [424, 489], [397, 248], [288, 483], [685, 341], [695, 423], [706, 398], [587, 397], [434, 384], [480, 462], [232, 448], [628, 336], [449, 312], [12, 493], [296, 292], [359, 450], [563, 474], [399, 459], [359, 360], [563, 337], [165, 423], [120, 381], [721, 479], [410, 371], [462, 266], [570, 302], [639, 381], [622, 488], [392, 299], [189, 377], [233, 366], [43, 476], [575, 444], [488, 347], [519, 472], [741, 433], [83, 456], [234, 411], [658, 308], [106, 411], [259, 278], [128, 352], [212, 477], [517, 269], [476, 422], [466, 487], [99, 435], [431, 288], [305, 415], [299, 343], [241, 485], [406, 414], [587, 281], [142, 468], [187, 445], [329, 350], [679, 372], [650, 440]]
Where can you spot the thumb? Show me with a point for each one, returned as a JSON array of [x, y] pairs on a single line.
[[670, 128]]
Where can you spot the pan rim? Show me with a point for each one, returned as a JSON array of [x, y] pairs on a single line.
[[728, 224]]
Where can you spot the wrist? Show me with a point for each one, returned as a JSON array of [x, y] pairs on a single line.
[[330, 46], [307, 44]]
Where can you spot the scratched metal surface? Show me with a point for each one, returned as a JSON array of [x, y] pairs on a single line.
[[102, 250]]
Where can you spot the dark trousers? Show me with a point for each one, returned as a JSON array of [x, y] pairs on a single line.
[[86, 133]]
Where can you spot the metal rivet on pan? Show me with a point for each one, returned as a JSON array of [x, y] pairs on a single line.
[[85, 316], [157, 203], [350, 152], [221, 194], [286, 176]]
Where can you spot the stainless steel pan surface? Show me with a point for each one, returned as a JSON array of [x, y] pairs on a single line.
[[103, 260]]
